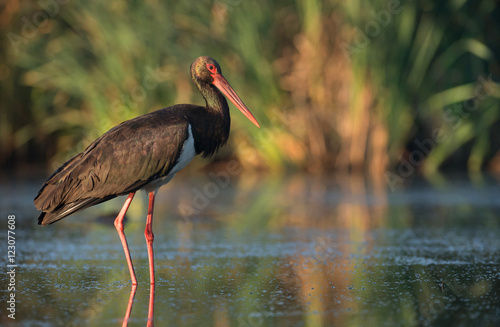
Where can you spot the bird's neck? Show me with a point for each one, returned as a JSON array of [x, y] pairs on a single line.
[[217, 121], [216, 102]]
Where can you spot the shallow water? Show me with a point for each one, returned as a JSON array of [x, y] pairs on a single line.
[[294, 251]]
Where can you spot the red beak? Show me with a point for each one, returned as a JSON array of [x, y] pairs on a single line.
[[221, 83]]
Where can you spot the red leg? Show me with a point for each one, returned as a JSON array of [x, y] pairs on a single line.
[[119, 228], [150, 237]]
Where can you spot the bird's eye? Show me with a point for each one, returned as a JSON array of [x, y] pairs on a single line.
[[212, 68]]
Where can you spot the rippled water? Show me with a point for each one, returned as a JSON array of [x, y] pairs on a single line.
[[291, 251]]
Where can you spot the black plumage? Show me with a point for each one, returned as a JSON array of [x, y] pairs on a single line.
[[141, 150]]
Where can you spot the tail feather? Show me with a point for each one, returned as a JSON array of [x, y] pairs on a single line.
[[53, 191], [62, 195], [47, 218]]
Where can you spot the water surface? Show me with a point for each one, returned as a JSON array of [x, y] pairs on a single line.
[[258, 251]]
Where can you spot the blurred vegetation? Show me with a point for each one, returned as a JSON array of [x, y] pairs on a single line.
[[345, 86]]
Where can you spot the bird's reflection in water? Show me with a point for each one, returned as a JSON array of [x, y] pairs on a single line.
[[133, 290], [129, 306], [151, 305]]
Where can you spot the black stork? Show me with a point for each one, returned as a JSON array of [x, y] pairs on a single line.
[[143, 153]]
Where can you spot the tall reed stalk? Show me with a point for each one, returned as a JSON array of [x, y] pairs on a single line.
[[345, 86]]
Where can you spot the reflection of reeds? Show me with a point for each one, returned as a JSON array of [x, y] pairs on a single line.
[[330, 93], [268, 252]]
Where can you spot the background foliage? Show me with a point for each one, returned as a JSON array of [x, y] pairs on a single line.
[[345, 86]]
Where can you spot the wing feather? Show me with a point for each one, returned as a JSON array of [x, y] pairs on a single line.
[[121, 161]]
